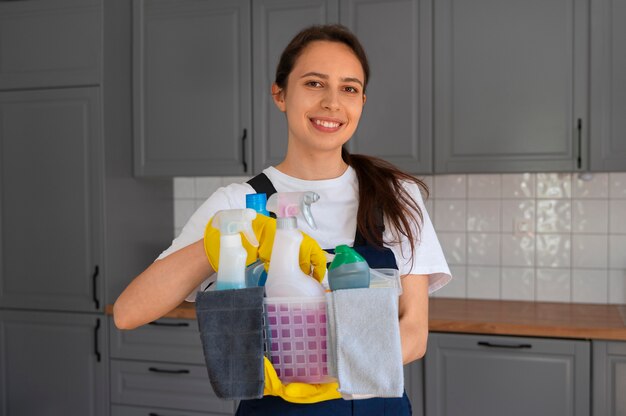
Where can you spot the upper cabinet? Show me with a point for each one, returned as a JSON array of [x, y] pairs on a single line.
[[50, 43], [395, 124], [456, 87], [275, 23], [510, 91], [192, 93], [608, 85]]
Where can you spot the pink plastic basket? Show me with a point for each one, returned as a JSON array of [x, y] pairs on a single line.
[[295, 339]]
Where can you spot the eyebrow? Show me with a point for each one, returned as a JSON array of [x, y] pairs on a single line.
[[324, 76]]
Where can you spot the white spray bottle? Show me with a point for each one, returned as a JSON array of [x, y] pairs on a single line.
[[232, 262], [284, 277]]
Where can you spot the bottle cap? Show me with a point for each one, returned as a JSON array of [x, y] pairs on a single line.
[[257, 202], [344, 255], [286, 223]]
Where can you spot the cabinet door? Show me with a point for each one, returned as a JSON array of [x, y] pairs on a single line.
[[50, 43], [488, 375], [510, 85], [50, 199], [52, 364], [275, 23], [609, 378], [192, 96], [608, 86], [396, 121], [414, 386]]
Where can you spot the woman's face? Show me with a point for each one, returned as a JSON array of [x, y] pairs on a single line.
[[324, 97]]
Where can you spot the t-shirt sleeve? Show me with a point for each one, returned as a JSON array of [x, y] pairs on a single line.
[[230, 197], [428, 258]]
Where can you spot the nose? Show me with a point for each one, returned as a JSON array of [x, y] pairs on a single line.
[[330, 101]]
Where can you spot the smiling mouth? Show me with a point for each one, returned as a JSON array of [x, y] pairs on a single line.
[[326, 124]]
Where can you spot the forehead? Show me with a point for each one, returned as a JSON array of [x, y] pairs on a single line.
[[329, 58]]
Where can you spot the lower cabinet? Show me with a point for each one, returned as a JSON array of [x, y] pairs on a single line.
[[469, 375], [158, 370], [609, 378], [53, 363]]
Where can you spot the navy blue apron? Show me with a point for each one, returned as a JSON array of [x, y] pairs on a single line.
[[377, 258]]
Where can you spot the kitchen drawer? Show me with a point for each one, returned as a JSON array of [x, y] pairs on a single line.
[[172, 386], [170, 340], [154, 411]]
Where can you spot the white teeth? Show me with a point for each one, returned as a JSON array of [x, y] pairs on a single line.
[[327, 124]]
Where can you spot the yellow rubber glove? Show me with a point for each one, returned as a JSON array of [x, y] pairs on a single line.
[[297, 392], [311, 254]]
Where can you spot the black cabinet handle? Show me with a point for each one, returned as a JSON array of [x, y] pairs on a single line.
[[579, 161], [511, 346], [156, 323], [95, 287], [162, 370], [96, 343], [243, 150]]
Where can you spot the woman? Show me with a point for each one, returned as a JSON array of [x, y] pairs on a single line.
[[364, 202]]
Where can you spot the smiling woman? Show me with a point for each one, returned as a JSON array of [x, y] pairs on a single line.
[[364, 202]]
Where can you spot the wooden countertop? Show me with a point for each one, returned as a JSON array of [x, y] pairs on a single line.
[[494, 317]]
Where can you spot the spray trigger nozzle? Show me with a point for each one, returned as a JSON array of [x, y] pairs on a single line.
[[232, 221], [290, 204]]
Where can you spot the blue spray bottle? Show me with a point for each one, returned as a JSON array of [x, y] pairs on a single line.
[[255, 272]]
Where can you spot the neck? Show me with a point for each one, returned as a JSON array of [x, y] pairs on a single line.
[[327, 165]]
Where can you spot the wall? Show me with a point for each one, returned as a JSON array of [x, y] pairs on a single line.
[[545, 237]]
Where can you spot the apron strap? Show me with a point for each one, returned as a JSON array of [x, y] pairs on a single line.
[[262, 184]]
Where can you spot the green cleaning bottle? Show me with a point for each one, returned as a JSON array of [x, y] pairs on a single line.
[[348, 270]]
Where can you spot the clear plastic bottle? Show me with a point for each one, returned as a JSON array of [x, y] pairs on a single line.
[[285, 278], [232, 259]]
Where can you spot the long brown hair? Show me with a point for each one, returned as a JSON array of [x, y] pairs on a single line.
[[380, 183]]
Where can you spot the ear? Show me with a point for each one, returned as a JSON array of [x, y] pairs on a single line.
[[279, 97], [364, 98]]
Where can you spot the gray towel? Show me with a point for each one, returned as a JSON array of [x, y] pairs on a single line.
[[230, 324], [364, 340]]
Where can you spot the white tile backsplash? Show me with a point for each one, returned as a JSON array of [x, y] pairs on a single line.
[[617, 185], [483, 215], [483, 186], [596, 187], [590, 216], [590, 285], [590, 251], [518, 283], [617, 216], [530, 236]]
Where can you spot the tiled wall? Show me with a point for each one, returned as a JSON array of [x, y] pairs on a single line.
[[546, 237]]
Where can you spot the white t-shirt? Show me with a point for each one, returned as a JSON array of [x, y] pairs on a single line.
[[335, 216]]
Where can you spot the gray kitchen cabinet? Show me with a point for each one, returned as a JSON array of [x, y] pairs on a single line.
[[191, 87], [609, 378], [159, 369], [494, 375], [275, 23], [608, 86], [396, 122], [50, 43], [399, 133], [53, 364], [76, 225], [51, 199], [510, 90], [414, 386]]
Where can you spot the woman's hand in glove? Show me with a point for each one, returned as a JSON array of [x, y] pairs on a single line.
[[311, 254]]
